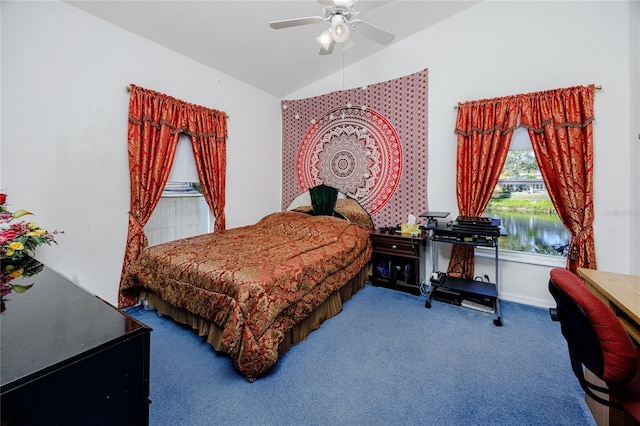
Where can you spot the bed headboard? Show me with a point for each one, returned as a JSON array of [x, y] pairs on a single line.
[[346, 207]]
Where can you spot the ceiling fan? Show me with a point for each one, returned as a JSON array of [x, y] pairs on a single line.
[[342, 16]]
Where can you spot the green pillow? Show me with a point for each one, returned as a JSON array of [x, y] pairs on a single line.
[[323, 199]]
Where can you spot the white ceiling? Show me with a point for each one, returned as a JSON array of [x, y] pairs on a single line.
[[234, 37]]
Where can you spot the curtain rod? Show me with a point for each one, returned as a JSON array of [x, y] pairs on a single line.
[[598, 87], [128, 89]]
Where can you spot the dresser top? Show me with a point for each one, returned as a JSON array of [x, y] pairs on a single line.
[[53, 323]]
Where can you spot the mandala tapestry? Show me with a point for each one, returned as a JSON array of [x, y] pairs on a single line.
[[369, 142]]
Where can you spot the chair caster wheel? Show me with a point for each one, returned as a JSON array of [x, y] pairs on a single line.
[[497, 322], [427, 304]]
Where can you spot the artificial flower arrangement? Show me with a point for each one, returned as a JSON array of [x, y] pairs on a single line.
[[18, 242]]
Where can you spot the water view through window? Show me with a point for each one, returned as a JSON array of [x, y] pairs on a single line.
[[539, 234], [523, 205]]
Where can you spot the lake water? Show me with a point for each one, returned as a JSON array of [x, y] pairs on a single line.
[[540, 234]]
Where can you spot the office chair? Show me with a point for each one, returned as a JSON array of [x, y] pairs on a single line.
[[598, 341]]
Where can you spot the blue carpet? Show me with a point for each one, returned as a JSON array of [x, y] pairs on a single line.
[[384, 359]]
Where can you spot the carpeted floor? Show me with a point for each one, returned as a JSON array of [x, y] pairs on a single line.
[[384, 360]]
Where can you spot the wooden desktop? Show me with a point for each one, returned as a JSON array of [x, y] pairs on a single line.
[[621, 293]]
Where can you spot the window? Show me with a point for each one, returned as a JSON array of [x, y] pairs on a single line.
[[182, 210], [521, 201]]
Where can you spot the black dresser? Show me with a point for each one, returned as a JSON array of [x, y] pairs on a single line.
[[69, 358]]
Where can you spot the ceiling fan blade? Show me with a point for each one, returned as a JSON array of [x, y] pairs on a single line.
[[372, 31], [287, 23]]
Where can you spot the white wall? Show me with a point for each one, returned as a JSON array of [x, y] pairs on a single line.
[[64, 132], [634, 132], [500, 48]]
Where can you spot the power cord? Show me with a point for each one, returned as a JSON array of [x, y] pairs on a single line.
[[485, 278], [425, 288]]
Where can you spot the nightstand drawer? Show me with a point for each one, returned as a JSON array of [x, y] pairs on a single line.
[[396, 244]]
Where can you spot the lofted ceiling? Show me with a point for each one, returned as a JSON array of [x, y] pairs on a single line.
[[234, 37]]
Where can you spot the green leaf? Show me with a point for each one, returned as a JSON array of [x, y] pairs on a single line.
[[21, 288], [20, 213]]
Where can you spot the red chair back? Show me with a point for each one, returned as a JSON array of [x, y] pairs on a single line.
[[593, 332]]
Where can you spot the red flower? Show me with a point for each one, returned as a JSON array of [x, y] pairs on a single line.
[[3, 198], [7, 235]]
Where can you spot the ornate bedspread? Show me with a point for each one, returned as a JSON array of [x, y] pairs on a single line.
[[258, 281]]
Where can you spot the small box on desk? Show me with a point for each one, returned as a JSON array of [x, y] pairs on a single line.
[[405, 228]]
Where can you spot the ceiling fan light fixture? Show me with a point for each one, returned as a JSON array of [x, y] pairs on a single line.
[[340, 32], [325, 39], [343, 19]]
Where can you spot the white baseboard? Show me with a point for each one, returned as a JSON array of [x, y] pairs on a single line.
[[539, 303]]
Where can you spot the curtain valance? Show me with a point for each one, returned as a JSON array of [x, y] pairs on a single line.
[[574, 98], [182, 110]]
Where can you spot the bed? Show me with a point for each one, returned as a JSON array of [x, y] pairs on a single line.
[[257, 290]]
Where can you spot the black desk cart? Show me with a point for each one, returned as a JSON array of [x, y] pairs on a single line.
[[480, 295]]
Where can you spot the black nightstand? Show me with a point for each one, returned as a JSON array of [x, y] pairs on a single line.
[[396, 261]]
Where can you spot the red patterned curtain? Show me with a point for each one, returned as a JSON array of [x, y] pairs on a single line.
[[155, 123], [560, 125], [484, 130], [208, 132], [152, 139]]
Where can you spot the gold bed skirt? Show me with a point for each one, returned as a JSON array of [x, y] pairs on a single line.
[[213, 333]]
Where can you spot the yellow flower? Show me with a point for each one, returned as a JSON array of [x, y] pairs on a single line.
[[16, 245], [33, 225], [36, 233]]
